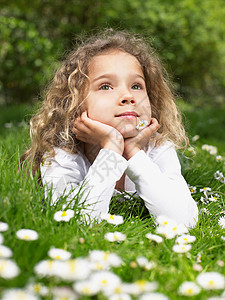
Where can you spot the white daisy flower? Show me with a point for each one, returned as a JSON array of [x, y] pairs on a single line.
[[192, 189], [120, 297], [165, 221], [221, 222], [15, 294], [153, 296], [37, 288], [1, 238], [210, 149], [211, 280], [170, 231], [166, 232], [143, 286], [47, 268], [86, 287], [197, 267], [154, 237], [185, 239], [205, 191], [222, 179], [181, 248], [59, 254], [74, 269], [99, 266], [142, 124], [212, 198], [219, 158], [195, 138], [189, 288], [98, 256], [112, 219], [218, 175], [199, 258], [64, 215], [105, 280], [3, 226], [115, 236], [5, 252], [145, 263], [63, 293], [8, 269], [119, 289], [191, 150], [27, 234]]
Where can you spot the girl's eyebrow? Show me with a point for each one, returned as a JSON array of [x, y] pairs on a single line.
[[113, 76]]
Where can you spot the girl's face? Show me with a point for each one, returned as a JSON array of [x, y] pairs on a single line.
[[117, 92]]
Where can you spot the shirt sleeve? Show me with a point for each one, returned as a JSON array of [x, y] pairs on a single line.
[[68, 174], [159, 182]]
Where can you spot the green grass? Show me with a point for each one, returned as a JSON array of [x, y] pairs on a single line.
[[21, 207]]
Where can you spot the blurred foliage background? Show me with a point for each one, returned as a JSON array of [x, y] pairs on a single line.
[[189, 36]]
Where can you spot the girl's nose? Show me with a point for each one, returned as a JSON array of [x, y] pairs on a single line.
[[127, 98]]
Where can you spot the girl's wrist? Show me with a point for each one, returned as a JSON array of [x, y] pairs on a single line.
[[130, 153], [118, 148]]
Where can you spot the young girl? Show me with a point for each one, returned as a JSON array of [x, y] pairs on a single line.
[[109, 122]]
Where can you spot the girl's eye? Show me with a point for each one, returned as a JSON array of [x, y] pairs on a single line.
[[105, 87], [137, 86]]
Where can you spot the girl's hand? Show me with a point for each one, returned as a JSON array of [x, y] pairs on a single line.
[[135, 144], [96, 133]]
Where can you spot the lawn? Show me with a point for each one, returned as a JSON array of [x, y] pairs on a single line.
[[137, 267]]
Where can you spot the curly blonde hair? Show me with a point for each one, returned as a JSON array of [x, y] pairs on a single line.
[[52, 125]]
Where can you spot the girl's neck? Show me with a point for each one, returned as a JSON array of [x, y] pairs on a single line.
[[91, 151]]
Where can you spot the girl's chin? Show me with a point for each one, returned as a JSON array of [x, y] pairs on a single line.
[[129, 134]]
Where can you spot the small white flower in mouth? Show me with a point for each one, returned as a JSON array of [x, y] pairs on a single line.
[[142, 124]]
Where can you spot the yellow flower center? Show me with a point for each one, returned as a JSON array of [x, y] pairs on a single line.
[[165, 223], [190, 291], [72, 265], [185, 239], [106, 255], [104, 282], [50, 264], [211, 282], [141, 283], [191, 190], [175, 228], [21, 295], [111, 217], [57, 257], [86, 290], [99, 266], [37, 288], [118, 290], [26, 237], [2, 266], [115, 237], [64, 213]]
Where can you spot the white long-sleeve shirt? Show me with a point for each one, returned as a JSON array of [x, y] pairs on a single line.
[[155, 175]]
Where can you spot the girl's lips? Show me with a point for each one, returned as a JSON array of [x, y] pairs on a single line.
[[128, 114]]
